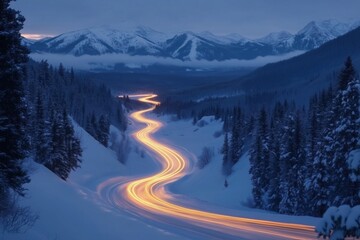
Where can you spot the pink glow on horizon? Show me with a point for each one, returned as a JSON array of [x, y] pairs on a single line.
[[35, 36]]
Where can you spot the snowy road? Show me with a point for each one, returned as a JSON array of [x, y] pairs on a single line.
[[148, 199]]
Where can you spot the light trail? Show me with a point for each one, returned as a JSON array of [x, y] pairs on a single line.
[[149, 196]]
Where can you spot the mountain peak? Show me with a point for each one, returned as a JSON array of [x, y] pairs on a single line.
[[316, 33], [276, 37], [145, 41], [329, 26]]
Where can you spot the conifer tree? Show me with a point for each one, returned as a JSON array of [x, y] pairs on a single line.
[[292, 162], [259, 159], [57, 161], [255, 171], [274, 169], [41, 132], [72, 144], [226, 166], [104, 130], [345, 135], [236, 142], [13, 141]]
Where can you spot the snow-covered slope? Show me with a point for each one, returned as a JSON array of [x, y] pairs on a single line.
[[97, 41], [280, 41], [206, 187], [27, 42], [317, 33], [73, 210], [144, 41]]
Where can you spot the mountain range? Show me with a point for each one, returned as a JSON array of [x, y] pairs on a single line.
[[298, 77], [189, 46]]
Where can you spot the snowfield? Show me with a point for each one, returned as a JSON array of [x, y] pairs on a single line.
[[204, 188], [74, 210]]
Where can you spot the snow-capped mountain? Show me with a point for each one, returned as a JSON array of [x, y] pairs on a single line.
[[192, 46], [317, 33], [98, 41], [27, 42], [187, 46], [280, 41]]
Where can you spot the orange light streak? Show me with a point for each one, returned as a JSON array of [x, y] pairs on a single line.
[[149, 193]]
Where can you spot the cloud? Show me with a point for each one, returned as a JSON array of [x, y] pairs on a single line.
[[108, 61]]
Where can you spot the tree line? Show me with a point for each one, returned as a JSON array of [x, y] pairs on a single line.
[[39, 104], [302, 160]]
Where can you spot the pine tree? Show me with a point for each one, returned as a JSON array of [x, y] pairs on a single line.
[[104, 130], [61, 70], [320, 182], [255, 171], [72, 144], [94, 126], [226, 127], [236, 142], [345, 135], [13, 141], [41, 132], [58, 155], [72, 76], [121, 118], [347, 75], [250, 126], [226, 166], [259, 160], [264, 164], [299, 167], [293, 162], [274, 169]]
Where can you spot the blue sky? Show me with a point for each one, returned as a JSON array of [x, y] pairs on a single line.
[[250, 18]]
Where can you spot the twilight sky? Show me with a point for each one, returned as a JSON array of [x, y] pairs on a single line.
[[250, 18]]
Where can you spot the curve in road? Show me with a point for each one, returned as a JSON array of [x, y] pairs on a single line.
[[148, 196]]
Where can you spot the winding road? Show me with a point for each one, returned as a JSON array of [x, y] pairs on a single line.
[[148, 198]]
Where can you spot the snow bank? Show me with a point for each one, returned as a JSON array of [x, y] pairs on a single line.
[[205, 188], [72, 210], [341, 222]]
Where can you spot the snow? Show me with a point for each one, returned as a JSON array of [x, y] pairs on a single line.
[[192, 139], [204, 188], [108, 40], [189, 37], [323, 31], [330, 27], [226, 39], [274, 38], [72, 210], [338, 222], [354, 159], [353, 220], [193, 51], [27, 42]]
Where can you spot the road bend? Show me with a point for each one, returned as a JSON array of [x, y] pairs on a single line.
[[148, 197]]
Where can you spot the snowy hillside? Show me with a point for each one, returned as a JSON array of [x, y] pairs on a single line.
[[27, 42], [317, 33], [73, 210], [97, 41], [144, 41], [76, 210]]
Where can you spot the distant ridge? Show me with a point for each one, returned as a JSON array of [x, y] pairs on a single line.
[[301, 75], [187, 46]]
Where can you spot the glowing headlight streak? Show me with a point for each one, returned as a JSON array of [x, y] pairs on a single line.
[[149, 193]]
